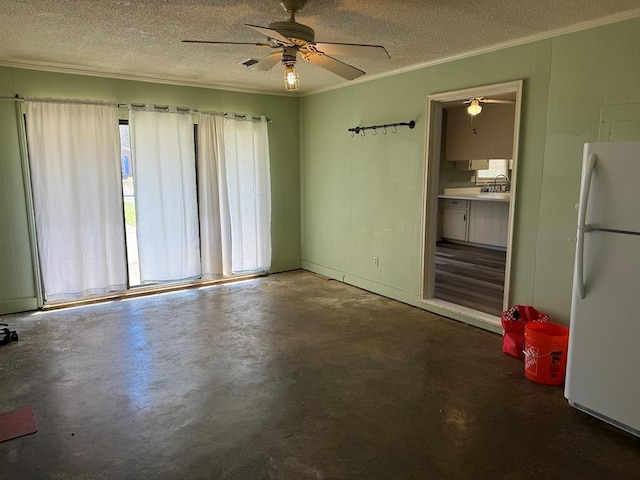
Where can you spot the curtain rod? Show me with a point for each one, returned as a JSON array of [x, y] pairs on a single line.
[[242, 116], [70, 101], [165, 108]]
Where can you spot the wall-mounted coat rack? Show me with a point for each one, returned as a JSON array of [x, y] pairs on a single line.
[[360, 130]]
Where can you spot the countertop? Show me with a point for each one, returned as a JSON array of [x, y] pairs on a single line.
[[482, 196]]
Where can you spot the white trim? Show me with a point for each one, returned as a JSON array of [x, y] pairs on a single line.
[[578, 27], [481, 90], [430, 182], [464, 314]]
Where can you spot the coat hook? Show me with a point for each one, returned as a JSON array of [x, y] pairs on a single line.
[[375, 132], [395, 129], [352, 134], [384, 132], [362, 134]]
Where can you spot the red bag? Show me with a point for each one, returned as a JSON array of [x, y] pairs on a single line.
[[514, 321]]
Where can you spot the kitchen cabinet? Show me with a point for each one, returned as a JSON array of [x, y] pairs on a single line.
[[483, 137], [454, 219], [472, 165], [489, 223]]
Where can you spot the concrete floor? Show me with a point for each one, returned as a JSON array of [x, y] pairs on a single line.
[[291, 376]]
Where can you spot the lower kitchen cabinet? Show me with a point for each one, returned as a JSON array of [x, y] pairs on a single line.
[[489, 223], [454, 219]]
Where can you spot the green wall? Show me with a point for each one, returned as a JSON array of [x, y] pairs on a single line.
[[17, 283], [593, 73], [362, 196], [17, 286]]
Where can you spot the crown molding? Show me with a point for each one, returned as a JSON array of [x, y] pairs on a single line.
[[578, 27], [139, 78]]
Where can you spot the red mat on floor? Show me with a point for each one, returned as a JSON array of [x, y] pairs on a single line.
[[17, 423]]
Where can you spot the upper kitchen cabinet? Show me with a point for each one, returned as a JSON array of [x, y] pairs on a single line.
[[487, 135]]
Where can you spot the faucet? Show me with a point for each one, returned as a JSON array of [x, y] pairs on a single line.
[[507, 186]]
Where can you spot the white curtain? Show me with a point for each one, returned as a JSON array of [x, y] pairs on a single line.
[[235, 195], [74, 154], [215, 225], [162, 148]]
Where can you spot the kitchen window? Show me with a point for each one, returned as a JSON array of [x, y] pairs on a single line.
[[496, 167]]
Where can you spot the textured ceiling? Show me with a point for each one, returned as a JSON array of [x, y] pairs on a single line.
[[141, 38]]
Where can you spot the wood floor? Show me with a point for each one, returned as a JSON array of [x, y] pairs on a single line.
[[470, 276]]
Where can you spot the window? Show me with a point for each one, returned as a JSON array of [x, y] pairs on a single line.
[[496, 167]]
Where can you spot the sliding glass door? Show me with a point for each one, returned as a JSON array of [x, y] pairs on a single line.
[[129, 207], [122, 204]]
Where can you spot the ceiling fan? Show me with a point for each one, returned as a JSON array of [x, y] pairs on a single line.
[[289, 38], [475, 108]]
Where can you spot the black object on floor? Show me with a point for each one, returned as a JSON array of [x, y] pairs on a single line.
[[9, 335]]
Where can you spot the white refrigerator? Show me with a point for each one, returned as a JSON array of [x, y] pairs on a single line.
[[603, 364]]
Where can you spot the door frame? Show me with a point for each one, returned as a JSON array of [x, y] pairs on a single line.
[[433, 151]]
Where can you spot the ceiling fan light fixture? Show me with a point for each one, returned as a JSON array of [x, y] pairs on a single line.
[[291, 79], [474, 108]]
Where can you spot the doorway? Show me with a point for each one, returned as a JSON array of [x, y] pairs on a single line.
[[479, 293]]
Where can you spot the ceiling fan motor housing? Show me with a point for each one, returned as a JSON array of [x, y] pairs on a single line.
[[289, 55], [296, 32]]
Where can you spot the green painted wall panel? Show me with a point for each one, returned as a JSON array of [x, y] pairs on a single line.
[[589, 71], [529, 182], [17, 284], [620, 65], [357, 191], [328, 217]]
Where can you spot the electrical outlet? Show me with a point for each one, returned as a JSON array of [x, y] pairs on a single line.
[[375, 261]]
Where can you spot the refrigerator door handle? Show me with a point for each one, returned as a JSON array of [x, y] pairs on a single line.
[[582, 228]]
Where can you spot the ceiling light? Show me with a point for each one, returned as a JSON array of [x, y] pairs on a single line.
[[474, 108], [291, 79]]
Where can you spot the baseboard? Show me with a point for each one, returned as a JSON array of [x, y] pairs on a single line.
[[18, 305], [462, 314]]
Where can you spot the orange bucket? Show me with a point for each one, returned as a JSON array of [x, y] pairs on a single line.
[[545, 352]]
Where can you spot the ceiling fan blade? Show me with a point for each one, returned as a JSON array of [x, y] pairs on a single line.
[[257, 44], [267, 62], [497, 101], [333, 65], [488, 100], [350, 49], [269, 32]]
